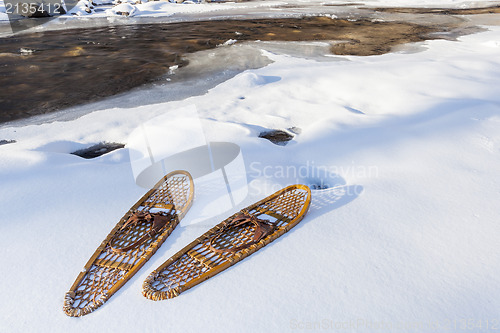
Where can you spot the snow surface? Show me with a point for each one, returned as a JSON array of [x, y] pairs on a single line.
[[164, 9], [406, 235]]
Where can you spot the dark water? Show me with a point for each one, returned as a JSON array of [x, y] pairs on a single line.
[[48, 71]]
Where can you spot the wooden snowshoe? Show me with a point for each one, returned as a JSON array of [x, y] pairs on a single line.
[[230, 241], [136, 237]]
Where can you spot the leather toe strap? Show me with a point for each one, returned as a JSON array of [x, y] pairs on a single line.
[[158, 223], [262, 229]]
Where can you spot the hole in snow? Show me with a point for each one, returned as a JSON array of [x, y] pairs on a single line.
[[98, 149], [5, 142], [278, 137]]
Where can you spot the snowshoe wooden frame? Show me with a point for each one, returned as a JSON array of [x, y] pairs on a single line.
[[109, 269], [233, 240]]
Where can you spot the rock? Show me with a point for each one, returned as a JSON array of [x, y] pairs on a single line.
[[278, 137], [74, 52], [98, 149]]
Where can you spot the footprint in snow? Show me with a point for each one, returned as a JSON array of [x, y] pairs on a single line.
[[353, 110]]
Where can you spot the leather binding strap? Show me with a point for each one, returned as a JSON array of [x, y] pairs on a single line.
[[262, 229], [158, 222]]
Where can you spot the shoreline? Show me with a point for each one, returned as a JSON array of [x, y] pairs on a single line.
[[148, 63]]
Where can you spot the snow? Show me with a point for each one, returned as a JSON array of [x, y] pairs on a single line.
[[82, 8], [155, 9], [166, 9], [3, 15], [404, 239], [123, 9]]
